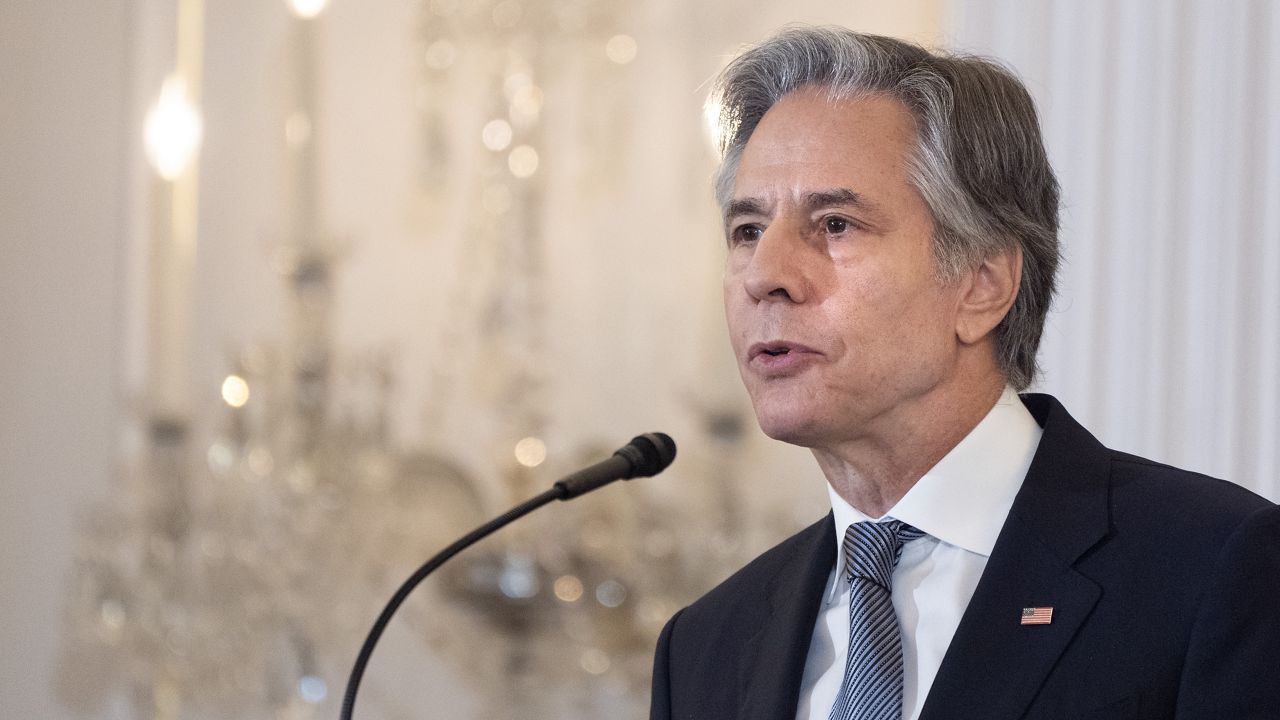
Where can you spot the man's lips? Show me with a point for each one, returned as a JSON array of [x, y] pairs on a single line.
[[779, 354]]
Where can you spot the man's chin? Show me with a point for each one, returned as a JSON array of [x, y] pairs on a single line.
[[793, 430]]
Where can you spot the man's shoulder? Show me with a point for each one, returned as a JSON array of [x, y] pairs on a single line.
[[1071, 453], [800, 556], [753, 626], [1157, 489], [1078, 492]]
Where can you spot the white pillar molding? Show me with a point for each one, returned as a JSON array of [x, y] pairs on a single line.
[[1163, 122]]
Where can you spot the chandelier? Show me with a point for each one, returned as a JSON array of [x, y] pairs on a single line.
[[235, 576]]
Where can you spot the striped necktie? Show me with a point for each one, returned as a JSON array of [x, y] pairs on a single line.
[[872, 688]]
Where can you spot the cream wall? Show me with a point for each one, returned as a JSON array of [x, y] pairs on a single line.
[[64, 80]]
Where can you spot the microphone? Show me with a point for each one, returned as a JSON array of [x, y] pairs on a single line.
[[646, 455]]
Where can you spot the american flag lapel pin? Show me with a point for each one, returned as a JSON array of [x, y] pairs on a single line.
[[1036, 616]]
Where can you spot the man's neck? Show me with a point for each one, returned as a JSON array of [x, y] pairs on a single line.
[[873, 473]]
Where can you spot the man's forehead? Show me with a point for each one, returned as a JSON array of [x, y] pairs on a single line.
[[809, 150], [863, 116]]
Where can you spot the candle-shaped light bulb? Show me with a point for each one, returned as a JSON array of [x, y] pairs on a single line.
[[173, 130], [308, 8]]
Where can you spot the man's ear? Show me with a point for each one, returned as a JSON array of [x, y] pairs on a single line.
[[987, 293]]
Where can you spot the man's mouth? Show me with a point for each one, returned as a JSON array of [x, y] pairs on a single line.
[[776, 349]]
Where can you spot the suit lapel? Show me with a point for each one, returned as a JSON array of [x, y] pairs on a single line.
[[995, 665], [772, 662]]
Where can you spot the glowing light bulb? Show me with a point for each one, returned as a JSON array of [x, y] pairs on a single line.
[[173, 130], [308, 8], [523, 161], [611, 593], [496, 135], [313, 689], [526, 103], [235, 391], [531, 452], [568, 588]]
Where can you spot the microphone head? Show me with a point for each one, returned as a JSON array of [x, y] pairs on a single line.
[[648, 454]]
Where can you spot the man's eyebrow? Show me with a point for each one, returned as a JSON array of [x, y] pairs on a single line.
[[811, 202], [842, 197], [868, 210], [744, 206], [837, 196]]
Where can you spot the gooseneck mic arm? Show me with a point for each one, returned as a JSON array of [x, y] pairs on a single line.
[[644, 456]]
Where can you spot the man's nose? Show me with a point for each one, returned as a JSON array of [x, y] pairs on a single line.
[[777, 267]]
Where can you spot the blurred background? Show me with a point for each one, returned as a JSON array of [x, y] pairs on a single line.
[[293, 293]]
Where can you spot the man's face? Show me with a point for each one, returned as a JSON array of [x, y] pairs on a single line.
[[835, 311]]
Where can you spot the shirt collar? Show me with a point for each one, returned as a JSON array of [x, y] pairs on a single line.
[[965, 498]]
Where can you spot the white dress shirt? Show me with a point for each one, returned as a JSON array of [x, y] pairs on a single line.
[[961, 504]]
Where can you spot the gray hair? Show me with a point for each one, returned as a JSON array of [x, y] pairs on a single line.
[[979, 162]]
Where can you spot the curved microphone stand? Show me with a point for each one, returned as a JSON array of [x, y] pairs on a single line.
[[644, 456]]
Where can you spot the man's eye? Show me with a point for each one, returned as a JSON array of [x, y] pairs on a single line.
[[836, 225], [746, 233]]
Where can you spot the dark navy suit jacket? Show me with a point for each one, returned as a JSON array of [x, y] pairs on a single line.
[[1164, 584]]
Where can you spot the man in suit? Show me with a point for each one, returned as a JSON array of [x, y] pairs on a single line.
[[891, 221]]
